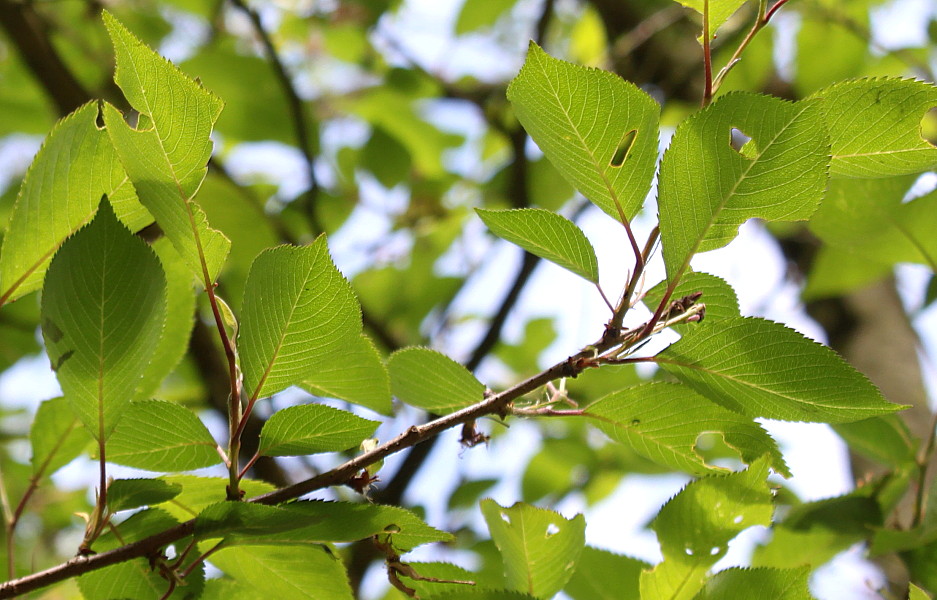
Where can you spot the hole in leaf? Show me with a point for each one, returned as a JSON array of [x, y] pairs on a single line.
[[624, 148], [552, 530], [689, 551], [715, 550], [929, 126], [738, 519], [635, 422], [506, 518], [738, 139]]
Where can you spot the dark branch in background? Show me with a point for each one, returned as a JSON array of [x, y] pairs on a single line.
[[297, 113], [27, 30]]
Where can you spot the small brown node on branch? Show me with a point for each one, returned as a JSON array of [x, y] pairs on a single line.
[[396, 568], [682, 305], [362, 482], [471, 436]]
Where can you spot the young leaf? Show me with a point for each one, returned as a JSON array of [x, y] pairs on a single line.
[[663, 421], [356, 375], [603, 575], [312, 428], [60, 193], [719, 11], [760, 368], [875, 126], [547, 235], [708, 189], [56, 436], [599, 130], [127, 494], [103, 309], [540, 548], [166, 155], [777, 584], [432, 381], [298, 309], [298, 573], [175, 440]]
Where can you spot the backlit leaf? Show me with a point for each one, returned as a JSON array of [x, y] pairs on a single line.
[[56, 437], [718, 296], [167, 153], [663, 422], [604, 575], [875, 126], [297, 309], [719, 11], [432, 381], [312, 428], [708, 189], [310, 572], [357, 375], [103, 309], [540, 548], [760, 368], [60, 193], [547, 235], [127, 494], [777, 584], [175, 439], [599, 130]]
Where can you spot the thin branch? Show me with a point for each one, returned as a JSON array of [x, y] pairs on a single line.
[[707, 57], [924, 461], [297, 112]]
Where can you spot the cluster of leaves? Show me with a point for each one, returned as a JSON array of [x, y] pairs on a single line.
[[117, 312]]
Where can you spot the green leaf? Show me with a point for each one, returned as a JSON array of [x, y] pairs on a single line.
[[708, 189], [175, 440], [432, 381], [599, 130], [777, 584], [312, 428], [338, 522], [310, 572], [540, 548], [886, 439], [297, 309], [56, 436], [917, 593], [166, 155], [242, 521], [603, 575], [137, 579], [480, 14], [482, 594], [760, 368], [200, 492], [60, 193], [103, 308], [718, 296], [663, 422], [445, 572], [875, 126], [356, 375], [180, 318], [127, 494], [547, 235], [694, 528], [719, 11]]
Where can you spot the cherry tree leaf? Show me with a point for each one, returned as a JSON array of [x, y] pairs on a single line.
[[432, 381], [166, 155], [60, 193], [128, 494], [103, 308], [175, 440], [777, 584], [599, 130], [312, 428], [760, 368], [56, 437], [875, 126], [663, 422], [358, 375], [719, 11], [547, 235], [539, 547], [297, 572], [708, 189], [718, 296], [297, 310]]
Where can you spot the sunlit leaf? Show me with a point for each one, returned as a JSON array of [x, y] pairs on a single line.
[[762, 369], [547, 235], [604, 575], [539, 547], [719, 11], [127, 494], [310, 572], [312, 428], [357, 375], [599, 130], [103, 309], [432, 381], [56, 437], [175, 440], [778, 584]]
